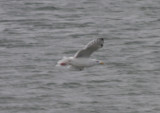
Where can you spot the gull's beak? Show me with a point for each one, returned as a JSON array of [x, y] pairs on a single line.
[[101, 62]]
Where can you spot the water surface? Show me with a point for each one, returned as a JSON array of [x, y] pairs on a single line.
[[35, 34]]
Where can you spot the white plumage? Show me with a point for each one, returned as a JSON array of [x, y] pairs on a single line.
[[81, 58]]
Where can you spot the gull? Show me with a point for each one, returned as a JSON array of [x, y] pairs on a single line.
[[81, 59]]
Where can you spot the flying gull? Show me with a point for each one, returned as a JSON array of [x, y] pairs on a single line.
[[81, 58]]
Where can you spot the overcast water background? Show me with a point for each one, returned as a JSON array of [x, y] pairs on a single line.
[[35, 34]]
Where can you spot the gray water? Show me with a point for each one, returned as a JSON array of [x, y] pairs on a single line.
[[35, 34]]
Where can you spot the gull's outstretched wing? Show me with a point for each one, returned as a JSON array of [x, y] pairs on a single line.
[[90, 48]]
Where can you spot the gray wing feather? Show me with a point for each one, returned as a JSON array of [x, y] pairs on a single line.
[[90, 48]]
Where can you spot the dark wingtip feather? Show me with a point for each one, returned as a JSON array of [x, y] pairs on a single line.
[[101, 39]]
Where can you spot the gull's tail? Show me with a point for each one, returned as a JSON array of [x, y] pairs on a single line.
[[63, 61]]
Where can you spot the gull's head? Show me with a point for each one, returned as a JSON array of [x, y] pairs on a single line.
[[99, 62]]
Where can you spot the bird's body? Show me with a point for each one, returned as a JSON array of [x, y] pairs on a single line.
[[81, 58]]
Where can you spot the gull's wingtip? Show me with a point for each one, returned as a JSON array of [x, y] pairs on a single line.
[[101, 39]]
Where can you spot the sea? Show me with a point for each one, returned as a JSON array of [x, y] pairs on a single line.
[[35, 34]]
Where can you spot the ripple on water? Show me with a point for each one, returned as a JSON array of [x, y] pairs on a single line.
[[36, 34]]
